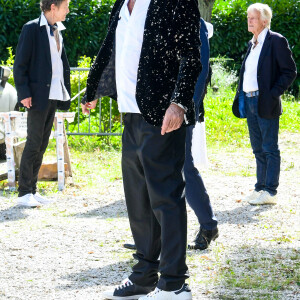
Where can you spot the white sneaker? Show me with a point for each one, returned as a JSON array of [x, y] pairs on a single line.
[[253, 196], [183, 294], [41, 199], [28, 200], [264, 198]]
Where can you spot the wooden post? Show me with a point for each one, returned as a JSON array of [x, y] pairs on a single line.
[[67, 153], [60, 151], [9, 141]]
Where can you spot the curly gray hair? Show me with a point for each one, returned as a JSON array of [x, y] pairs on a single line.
[[46, 4]]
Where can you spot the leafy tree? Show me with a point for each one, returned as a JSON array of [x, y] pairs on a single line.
[[205, 8]]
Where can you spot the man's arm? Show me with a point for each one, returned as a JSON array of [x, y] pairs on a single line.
[[21, 65], [286, 65], [187, 41]]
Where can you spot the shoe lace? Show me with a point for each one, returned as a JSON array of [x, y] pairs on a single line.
[[125, 283]]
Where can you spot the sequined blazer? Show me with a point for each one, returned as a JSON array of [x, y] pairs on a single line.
[[169, 63]]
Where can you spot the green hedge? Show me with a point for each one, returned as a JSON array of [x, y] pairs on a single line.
[[231, 35], [86, 25]]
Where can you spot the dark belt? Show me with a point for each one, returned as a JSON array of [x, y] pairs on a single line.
[[252, 94]]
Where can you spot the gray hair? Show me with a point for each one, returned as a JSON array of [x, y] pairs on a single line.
[[45, 5], [264, 10]]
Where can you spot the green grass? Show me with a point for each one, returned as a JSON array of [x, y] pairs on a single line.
[[262, 272], [224, 130]]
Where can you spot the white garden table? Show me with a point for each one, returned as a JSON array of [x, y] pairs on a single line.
[[11, 134]]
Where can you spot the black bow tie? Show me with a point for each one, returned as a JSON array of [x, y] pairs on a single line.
[[52, 28]]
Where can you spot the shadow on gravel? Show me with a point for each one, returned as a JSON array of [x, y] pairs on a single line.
[[241, 215], [116, 209], [13, 214], [108, 275]]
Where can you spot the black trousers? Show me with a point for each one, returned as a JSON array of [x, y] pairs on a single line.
[[154, 190], [39, 125]]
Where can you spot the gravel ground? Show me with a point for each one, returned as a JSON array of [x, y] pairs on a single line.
[[72, 249]]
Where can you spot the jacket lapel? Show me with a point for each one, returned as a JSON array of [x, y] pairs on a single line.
[[45, 42], [264, 50]]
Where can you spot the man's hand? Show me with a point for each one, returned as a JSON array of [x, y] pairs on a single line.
[[88, 106], [27, 102], [172, 119]]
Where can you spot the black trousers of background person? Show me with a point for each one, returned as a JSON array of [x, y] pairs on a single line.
[[154, 190], [39, 126]]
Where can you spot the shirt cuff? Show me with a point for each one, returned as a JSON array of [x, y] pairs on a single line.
[[181, 106]]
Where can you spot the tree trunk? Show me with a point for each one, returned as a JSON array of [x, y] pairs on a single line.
[[205, 8]]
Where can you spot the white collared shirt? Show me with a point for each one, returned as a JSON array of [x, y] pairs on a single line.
[[129, 40], [250, 83], [210, 29], [58, 90]]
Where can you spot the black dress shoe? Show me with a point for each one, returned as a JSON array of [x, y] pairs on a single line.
[[130, 246], [203, 239]]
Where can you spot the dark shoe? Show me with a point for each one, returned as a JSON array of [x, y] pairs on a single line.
[[203, 239], [127, 290], [129, 246]]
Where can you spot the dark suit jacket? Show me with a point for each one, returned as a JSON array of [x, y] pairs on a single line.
[[201, 85], [276, 71], [169, 62], [33, 68]]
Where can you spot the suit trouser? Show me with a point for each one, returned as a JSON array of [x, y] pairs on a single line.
[[195, 191], [154, 191], [39, 126], [264, 141]]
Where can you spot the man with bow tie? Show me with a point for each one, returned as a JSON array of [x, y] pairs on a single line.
[[42, 79]]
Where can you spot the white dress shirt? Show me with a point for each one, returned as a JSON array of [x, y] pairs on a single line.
[[129, 40], [58, 90], [210, 29], [250, 75]]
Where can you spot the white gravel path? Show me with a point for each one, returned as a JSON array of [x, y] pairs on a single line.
[[72, 249]]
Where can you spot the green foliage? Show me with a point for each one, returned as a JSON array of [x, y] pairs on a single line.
[[86, 25], [219, 69], [9, 63], [231, 35]]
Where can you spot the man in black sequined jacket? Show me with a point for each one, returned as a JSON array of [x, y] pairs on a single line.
[[149, 62]]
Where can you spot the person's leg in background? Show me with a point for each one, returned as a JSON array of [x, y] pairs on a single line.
[[44, 144], [198, 199], [263, 135], [38, 122]]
